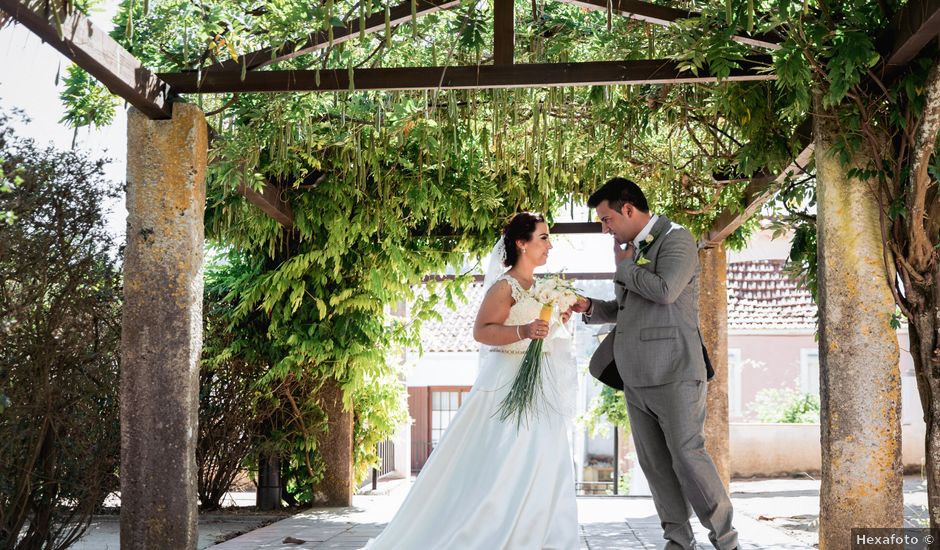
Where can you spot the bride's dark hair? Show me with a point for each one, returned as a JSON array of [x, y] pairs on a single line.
[[519, 228]]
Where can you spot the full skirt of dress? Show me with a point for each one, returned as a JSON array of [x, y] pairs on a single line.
[[490, 484]]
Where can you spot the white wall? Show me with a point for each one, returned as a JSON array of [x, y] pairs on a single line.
[[402, 440], [762, 246], [773, 449], [442, 369]]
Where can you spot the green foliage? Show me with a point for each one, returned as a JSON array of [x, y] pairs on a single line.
[[623, 484], [386, 187], [54, 7], [9, 180], [7, 184], [233, 410], [787, 406], [87, 102], [851, 53], [804, 257], [381, 407], [564, 141], [60, 296], [607, 408]]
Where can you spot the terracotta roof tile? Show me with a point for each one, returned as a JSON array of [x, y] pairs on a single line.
[[761, 296], [454, 332]]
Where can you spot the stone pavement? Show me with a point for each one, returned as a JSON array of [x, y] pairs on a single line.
[[606, 523], [769, 514]]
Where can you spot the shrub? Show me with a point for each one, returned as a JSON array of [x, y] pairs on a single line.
[[787, 406], [59, 346]]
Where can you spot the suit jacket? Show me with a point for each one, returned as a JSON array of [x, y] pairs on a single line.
[[656, 339]]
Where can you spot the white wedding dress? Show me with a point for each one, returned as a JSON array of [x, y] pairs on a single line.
[[489, 485]]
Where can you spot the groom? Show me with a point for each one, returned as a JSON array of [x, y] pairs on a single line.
[[655, 354]]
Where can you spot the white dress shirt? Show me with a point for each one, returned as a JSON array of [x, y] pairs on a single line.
[[647, 229]]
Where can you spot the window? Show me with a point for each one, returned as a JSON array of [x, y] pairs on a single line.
[[444, 405], [734, 382], [809, 370]]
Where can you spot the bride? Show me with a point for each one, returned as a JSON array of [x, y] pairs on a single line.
[[494, 484]]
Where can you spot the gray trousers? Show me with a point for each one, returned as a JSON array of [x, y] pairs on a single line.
[[668, 424]]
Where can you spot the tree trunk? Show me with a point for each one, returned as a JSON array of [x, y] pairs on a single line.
[[336, 449], [860, 382], [921, 294], [713, 319], [923, 329]]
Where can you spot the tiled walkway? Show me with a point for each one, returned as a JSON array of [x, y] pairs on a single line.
[[607, 523]]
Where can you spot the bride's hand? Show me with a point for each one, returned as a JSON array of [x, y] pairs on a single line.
[[536, 330]]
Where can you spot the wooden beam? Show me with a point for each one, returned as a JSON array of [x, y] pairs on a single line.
[[575, 228], [911, 29], [270, 201], [663, 15], [504, 36], [318, 40], [577, 276], [760, 190], [656, 71], [93, 50]]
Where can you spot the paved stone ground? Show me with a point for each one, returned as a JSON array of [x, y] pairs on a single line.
[[769, 514], [104, 531], [606, 523]]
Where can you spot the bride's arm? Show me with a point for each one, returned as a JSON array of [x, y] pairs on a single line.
[[489, 328]]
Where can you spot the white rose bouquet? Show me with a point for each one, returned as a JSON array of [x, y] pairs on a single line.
[[552, 293]]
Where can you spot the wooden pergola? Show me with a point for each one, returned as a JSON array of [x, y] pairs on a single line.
[[153, 96]]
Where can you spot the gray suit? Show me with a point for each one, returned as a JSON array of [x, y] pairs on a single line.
[[656, 349]]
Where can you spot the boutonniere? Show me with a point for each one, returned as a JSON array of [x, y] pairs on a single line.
[[641, 258]]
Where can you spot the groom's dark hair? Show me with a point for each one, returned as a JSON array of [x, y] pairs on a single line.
[[617, 192]]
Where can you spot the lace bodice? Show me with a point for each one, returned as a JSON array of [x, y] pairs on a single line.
[[522, 312]]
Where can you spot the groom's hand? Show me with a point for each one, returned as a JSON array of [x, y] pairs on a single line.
[[621, 252], [581, 306]]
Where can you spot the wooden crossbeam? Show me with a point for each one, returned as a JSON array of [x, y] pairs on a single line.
[[657, 71], [562, 228], [576, 276], [760, 190], [504, 35], [576, 228], [912, 28], [270, 201], [93, 50], [664, 15], [318, 40]]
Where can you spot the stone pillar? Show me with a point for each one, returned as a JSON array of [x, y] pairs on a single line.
[[336, 447], [860, 383], [161, 336], [713, 319]]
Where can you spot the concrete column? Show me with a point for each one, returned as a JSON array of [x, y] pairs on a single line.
[[161, 336], [860, 383], [336, 445], [713, 319]]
